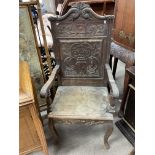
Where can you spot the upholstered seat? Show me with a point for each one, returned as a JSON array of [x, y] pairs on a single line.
[[81, 102]]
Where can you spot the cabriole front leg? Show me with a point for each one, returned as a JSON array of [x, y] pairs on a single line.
[[108, 133]]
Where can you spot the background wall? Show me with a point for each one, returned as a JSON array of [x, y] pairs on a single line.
[[124, 31]]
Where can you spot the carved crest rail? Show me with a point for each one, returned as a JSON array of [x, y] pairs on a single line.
[[82, 43]]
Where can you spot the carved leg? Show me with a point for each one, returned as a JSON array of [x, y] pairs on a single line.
[[132, 152], [108, 134], [53, 129]]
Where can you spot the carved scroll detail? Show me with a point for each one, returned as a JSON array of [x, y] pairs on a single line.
[[81, 21], [81, 10], [86, 122], [81, 59], [79, 29]]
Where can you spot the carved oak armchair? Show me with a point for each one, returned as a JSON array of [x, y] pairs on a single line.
[[82, 47]]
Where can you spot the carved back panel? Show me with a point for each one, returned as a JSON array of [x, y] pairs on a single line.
[[82, 45]]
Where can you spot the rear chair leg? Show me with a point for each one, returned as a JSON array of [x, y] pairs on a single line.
[[110, 61], [108, 134], [53, 129], [115, 67]]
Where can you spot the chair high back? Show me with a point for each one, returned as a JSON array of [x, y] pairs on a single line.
[[82, 45]]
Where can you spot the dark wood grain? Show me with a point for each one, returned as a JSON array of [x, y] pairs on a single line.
[[82, 48], [82, 44], [124, 29]]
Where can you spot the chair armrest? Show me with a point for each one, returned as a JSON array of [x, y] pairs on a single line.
[[112, 83], [47, 86], [123, 54]]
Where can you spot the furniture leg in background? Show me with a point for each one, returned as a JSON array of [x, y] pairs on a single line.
[[124, 55], [127, 109], [115, 67], [110, 61]]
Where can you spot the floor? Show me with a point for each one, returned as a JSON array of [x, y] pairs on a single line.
[[88, 140]]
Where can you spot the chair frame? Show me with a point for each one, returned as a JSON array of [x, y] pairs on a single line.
[[64, 31]]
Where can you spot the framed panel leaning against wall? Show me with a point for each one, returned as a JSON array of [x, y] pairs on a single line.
[[28, 50]]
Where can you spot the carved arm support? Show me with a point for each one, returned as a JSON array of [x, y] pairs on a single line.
[[47, 86], [123, 54], [112, 83]]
